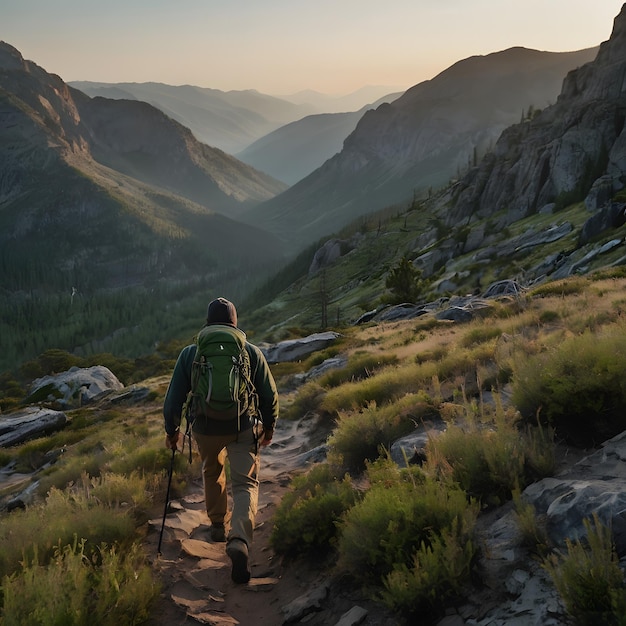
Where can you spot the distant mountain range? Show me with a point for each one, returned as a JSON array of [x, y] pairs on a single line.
[[230, 120], [433, 132], [115, 200], [292, 152], [264, 131]]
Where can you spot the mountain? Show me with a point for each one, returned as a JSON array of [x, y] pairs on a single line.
[[293, 151], [354, 101], [114, 203], [573, 150], [228, 120], [547, 202], [431, 133]]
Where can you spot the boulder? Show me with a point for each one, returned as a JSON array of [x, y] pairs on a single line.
[[600, 193], [332, 250], [594, 485], [611, 216], [411, 448], [296, 349], [32, 422], [74, 387], [503, 288]]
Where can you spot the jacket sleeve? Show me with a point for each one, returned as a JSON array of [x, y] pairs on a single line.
[[266, 389], [177, 391]]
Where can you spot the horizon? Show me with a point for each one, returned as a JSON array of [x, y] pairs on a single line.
[[282, 48]]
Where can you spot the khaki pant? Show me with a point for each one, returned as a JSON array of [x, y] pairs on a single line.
[[243, 459]]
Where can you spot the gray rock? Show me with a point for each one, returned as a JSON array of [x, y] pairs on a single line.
[[296, 349], [353, 617], [32, 422], [596, 484], [74, 387], [404, 311], [305, 604], [328, 364], [600, 193], [610, 216], [503, 288], [411, 448], [332, 250]]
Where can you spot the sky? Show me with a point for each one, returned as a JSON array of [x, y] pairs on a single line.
[[280, 47]]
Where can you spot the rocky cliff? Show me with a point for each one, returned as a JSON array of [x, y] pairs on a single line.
[[573, 150]]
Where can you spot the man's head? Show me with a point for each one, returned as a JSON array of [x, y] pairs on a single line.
[[221, 311]]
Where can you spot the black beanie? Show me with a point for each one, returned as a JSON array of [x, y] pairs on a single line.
[[221, 311]]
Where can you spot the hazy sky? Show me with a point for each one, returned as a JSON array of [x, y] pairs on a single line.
[[283, 46]]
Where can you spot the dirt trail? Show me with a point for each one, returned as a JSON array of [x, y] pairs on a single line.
[[195, 572]]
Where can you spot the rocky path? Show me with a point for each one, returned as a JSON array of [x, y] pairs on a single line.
[[195, 573]]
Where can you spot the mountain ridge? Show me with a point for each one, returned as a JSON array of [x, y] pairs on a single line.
[[420, 140]]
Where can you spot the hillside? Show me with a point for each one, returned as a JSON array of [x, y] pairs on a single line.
[[113, 205], [421, 140], [396, 382]]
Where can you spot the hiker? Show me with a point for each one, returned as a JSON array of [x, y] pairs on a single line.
[[236, 430]]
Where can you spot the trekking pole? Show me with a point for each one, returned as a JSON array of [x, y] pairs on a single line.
[[167, 500]]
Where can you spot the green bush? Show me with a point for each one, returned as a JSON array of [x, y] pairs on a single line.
[[361, 436], [579, 386], [440, 569], [38, 529], [401, 512], [589, 579], [108, 588], [306, 521], [386, 385], [480, 334], [489, 460]]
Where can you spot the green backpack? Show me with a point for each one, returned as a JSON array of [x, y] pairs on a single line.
[[221, 384]]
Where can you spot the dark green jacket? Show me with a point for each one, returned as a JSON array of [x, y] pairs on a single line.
[[180, 385]]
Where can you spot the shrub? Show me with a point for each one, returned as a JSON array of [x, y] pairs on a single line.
[[589, 579], [403, 511], [358, 368], [565, 287], [405, 282], [489, 460], [306, 520], [480, 334], [309, 399], [579, 386], [441, 566], [38, 529], [112, 587], [385, 386], [360, 436]]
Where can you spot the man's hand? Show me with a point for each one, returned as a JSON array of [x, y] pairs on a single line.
[[267, 438], [171, 442]]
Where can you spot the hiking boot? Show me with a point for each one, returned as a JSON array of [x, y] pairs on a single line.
[[237, 550], [217, 532]]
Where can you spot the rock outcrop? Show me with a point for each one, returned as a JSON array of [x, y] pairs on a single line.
[[560, 154], [29, 423], [75, 387], [296, 349]]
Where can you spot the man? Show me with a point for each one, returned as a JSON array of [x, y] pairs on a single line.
[[238, 437]]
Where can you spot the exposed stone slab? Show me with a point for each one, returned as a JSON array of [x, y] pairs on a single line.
[[296, 349], [32, 422]]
